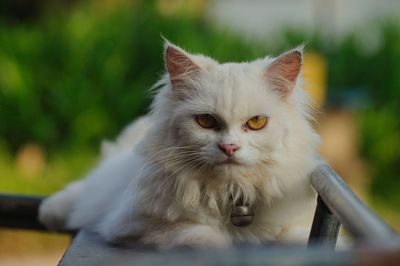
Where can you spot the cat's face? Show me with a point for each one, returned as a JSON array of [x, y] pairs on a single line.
[[231, 115]]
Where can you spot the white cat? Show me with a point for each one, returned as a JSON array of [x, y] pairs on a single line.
[[218, 134]]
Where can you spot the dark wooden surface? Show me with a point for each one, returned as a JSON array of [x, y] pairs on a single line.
[[89, 249]]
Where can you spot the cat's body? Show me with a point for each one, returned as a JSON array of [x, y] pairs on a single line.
[[178, 184]]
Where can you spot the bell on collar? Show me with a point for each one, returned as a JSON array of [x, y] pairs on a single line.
[[241, 215]]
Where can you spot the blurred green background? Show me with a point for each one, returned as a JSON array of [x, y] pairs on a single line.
[[73, 73]]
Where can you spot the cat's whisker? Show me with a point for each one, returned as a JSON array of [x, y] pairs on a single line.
[[149, 162], [180, 155], [187, 163], [169, 150], [177, 154], [171, 163], [189, 167], [192, 165], [202, 168], [177, 161], [151, 158], [159, 155]]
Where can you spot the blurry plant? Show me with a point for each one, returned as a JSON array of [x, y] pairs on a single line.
[[376, 74], [70, 79], [381, 147]]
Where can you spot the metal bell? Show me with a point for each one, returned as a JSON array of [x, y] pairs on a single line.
[[241, 215]]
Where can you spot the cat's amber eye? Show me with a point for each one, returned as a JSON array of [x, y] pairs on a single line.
[[206, 121], [257, 122]]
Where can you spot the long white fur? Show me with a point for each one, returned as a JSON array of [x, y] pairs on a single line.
[[158, 183]]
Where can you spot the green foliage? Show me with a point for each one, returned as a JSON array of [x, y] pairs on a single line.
[[381, 147], [59, 170], [377, 75], [72, 79], [356, 73]]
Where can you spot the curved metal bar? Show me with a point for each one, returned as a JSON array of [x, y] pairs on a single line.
[[21, 212], [358, 219]]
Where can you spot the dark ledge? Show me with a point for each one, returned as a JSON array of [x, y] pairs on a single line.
[[89, 249]]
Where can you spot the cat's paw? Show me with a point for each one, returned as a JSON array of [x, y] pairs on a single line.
[[51, 213], [55, 210], [200, 237]]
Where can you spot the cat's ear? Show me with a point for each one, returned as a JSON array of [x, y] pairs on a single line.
[[179, 65], [283, 72]]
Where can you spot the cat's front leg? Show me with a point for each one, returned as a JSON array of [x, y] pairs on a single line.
[[162, 234], [296, 235], [192, 236]]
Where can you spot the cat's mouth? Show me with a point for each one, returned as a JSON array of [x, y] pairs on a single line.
[[228, 161]]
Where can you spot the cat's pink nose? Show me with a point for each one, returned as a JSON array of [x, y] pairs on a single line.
[[228, 149]]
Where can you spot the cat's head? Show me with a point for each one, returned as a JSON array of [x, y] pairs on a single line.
[[232, 116]]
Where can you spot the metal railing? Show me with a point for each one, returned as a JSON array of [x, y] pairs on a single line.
[[337, 204], [21, 212]]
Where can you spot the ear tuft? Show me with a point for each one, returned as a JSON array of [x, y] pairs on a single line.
[[178, 64], [283, 72]]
